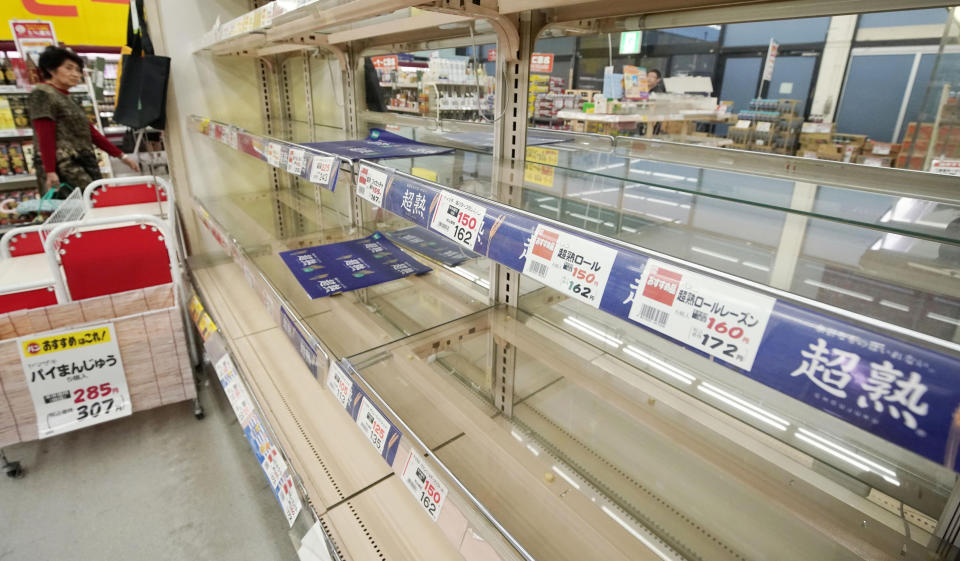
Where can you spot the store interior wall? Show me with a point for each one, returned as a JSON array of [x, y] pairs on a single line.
[[203, 85]]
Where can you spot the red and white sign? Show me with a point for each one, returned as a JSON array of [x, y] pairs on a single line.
[[371, 184], [289, 499], [458, 219], [31, 37], [385, 62], [541, 63], [576, 267], [340, 385], [720, 319], [423, 485], [946, 167], [492, 55], [772, 51], [374, 425]]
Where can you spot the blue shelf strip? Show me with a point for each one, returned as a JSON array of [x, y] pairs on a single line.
[[894, 389]]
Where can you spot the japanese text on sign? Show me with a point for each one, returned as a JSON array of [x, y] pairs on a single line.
[[75, 378], [236, 392], [722, 320], [386, 62], [374, 425], [424, 485], [289, 499], [541, 63], [539, 174], [273, 154], [296, 161], [321, 170], [340, 385], [458, 218], [570, 264], [371, 184]]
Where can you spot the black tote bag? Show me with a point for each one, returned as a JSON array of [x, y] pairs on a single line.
[[142, 95]]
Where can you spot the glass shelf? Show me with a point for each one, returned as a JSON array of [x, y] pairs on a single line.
[[268, 222], [614, 441]]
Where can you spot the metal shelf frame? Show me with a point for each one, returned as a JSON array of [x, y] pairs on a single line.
[[326, 26]]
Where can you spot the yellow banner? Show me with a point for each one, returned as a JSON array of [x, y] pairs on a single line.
[[424, 173], [66, 341], [101, 23]]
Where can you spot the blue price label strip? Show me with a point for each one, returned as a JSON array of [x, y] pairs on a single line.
[[894, 389]]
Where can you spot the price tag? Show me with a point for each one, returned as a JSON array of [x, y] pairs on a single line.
[[720, 319], [271, 461], [742, 124], [75, 378], [946, 167], [296, 161], [236, 392], [266, 15], [289, 499], [232, 138], [371, 184], [424, 485], [570, 264], [374, 425], [340, 385], [321, 169], [458, 219], [273, 154], [881, 149], [764, 127]]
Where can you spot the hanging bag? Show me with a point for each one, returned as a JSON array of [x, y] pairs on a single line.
[[142, 96]]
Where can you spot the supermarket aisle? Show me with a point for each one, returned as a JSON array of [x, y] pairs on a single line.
[[158, 485]]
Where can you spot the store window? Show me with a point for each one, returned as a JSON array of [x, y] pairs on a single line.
[[451, 83], [850, 88]]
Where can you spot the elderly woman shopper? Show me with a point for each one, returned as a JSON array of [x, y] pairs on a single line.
[[64, 138]]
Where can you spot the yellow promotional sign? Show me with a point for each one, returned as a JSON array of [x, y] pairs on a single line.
[[424, 173], [66, 341], [538, 174], [548, 156], [101, 23]]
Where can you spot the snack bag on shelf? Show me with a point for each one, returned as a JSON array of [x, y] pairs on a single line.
[[6, 115], [18, 106], [15, 153], [28, 156], [4, 159]]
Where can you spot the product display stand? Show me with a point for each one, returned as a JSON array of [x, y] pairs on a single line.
[[606, 378]]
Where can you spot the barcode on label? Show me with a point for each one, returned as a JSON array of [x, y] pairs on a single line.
[[653, 315], [538, 269]]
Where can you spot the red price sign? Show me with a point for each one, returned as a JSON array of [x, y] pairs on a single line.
[[459, 219], [374, 425], [492, 55], [386, 62], [423, 485], [339, 385], [541, 63]]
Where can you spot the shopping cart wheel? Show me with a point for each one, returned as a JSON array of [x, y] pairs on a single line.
[[13, 470]]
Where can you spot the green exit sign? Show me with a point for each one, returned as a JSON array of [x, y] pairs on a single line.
[[630, 42]]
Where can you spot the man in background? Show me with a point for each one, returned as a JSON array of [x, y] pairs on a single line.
[[655, 81]]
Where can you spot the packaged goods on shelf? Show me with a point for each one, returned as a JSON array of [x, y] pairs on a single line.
[[5, 167], [6, 114], [15, 153], [28, 155], [875, 161], [18, 106]]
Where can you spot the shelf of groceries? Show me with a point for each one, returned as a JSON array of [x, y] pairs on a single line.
[[741, 389]]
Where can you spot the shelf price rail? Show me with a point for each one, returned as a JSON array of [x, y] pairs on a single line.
[[633, 284], [453, 508], [787, 326], [285, 482]]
